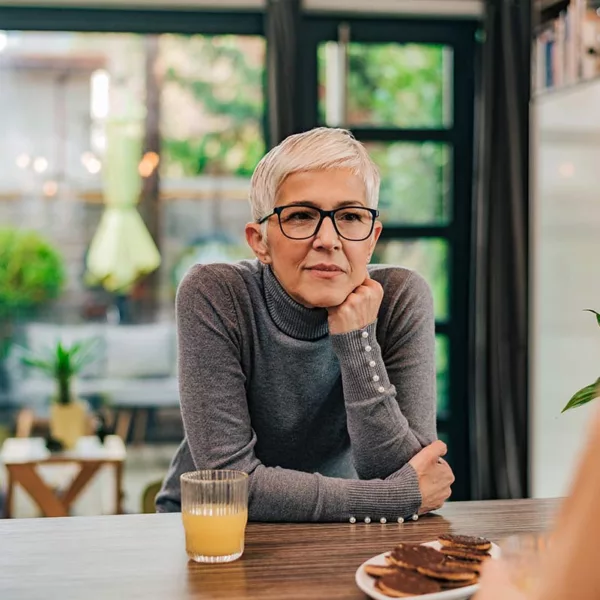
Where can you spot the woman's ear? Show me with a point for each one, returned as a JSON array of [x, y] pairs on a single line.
[[374, 237], [256, 241]]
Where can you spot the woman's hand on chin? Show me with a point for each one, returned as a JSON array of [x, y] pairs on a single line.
[[359, 309]]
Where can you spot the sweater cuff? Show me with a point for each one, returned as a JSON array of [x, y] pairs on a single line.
[[363, 371], [399, 496], [396, 497]]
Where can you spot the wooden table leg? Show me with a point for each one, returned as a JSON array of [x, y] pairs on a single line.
[[119, 488], [110, 417], [123, 423], [26, 475], [9, 497], [140, 425], [88, 470], [25, 420]]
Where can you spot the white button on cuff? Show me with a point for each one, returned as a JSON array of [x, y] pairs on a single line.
[[372, 363], [352, 520], [375, 377], [400, 520], [415, 517], [368, 348], [367, 520], [381, 389], [383, 520], [365, 334]]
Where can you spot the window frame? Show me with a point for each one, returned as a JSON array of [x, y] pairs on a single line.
[[461, 37]]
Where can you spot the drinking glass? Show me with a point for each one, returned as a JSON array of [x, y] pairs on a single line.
[[523, 555], [214, 509]]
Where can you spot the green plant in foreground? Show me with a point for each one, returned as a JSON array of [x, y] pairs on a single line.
[[590, 392]]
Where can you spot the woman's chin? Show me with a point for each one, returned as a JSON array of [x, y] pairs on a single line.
[[328, 300]]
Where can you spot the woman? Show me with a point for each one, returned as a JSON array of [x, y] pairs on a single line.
[[305, 368]]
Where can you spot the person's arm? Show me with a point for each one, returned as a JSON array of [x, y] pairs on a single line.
[[568, 565], [219, 433], [391, 398]]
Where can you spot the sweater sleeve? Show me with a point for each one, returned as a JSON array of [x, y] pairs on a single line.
[[391, 398], [220, 435]]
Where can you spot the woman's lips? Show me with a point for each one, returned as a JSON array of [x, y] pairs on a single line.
[[325, 271]]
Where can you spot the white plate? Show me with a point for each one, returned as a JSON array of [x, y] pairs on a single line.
[[367, 583]]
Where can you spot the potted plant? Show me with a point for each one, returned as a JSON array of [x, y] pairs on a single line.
[[68, 415], [32, 274], [589, 392]]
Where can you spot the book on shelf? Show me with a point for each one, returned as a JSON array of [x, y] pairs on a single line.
[[567, 49]]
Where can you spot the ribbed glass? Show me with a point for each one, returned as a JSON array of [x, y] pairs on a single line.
[[214, 509]]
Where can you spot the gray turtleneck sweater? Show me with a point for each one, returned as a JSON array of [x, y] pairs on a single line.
[[323, 424]]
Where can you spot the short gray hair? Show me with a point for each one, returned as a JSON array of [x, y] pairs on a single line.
[[315, 150]]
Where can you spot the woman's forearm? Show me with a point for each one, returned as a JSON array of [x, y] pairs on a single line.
[[381, 436]]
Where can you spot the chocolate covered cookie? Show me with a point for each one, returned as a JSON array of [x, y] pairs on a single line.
[[405, 582], [448, 572], [411, 556], [464, 554], [465, 541]]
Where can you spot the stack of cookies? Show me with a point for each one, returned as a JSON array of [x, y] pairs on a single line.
[[413, 570]]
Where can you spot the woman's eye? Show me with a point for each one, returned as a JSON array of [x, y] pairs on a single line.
[[300, 216], [350, 216]]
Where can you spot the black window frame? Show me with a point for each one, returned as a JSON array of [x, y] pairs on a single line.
[[460, 35]]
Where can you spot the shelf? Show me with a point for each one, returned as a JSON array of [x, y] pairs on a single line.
[[549, 4], [548, 10], [566, 89]]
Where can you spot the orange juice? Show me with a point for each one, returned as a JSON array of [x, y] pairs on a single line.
[[209, 533]]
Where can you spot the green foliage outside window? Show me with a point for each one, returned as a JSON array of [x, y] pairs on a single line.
[[213, 98]]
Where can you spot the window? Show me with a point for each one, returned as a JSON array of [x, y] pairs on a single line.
[[405, 89], [197, 103], [183, 112], [194, 90]]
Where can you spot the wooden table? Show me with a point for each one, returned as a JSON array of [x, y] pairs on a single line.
[[143, 556], [23, 458]]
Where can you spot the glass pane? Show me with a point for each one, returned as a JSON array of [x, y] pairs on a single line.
[[175, 122], [193, 109], [388, 85], [428, 257], [442, 365], [415, 182]]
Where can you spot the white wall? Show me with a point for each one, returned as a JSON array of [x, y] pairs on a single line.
[[565, 278]]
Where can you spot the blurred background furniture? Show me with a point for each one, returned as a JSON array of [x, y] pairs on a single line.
[[26, 458], [134, 374]]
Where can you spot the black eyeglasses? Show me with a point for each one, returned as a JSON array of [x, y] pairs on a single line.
[[298, 222]]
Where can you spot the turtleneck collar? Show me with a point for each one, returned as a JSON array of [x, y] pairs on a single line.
[[292, 318]]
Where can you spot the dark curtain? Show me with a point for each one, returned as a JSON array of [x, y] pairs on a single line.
[[283, 21], [500, 353]]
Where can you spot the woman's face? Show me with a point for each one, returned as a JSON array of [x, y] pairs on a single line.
[[323, 270]]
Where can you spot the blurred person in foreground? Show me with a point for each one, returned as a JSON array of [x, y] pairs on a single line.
[[569, 567], [307, 368]]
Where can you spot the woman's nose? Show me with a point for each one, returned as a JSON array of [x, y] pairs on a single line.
[[327, 236]]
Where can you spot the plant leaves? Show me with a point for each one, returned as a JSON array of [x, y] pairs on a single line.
[[43, 365], [583, 396], [85, 353], [595, 313], [63, 362]]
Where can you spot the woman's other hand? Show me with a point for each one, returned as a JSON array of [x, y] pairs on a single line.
[[435, 476]]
